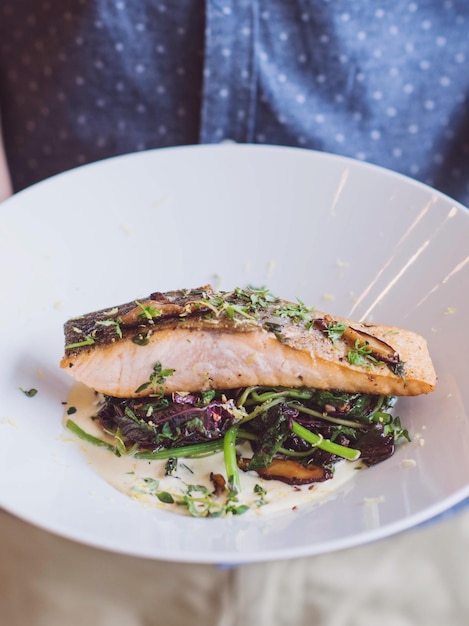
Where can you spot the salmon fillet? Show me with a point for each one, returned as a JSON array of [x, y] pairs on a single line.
[[201, 339]]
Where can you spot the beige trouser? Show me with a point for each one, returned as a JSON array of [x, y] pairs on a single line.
[[418, 577]]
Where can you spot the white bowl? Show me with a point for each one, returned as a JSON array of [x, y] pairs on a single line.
[[347, 237]]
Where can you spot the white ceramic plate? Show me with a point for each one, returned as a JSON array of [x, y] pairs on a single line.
[[346, 237]]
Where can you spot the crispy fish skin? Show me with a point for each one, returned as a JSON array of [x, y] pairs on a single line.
[[205, 339]]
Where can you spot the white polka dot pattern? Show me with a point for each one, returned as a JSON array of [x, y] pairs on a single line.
[[386, 82]]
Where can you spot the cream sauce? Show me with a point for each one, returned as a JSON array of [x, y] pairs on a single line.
[[142, 479]]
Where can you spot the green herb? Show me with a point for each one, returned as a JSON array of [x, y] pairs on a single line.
[[247, 302], [297, 313], [397, 429], [141, 339], [30, 393], [187, 468], [276, 329], [151, 484], [207, 397], [261, 492], [148, 311], [232, 309], [165, 497], [71, 410], [274, 429], [392, 425], [256, 297], [361, 355], [335, 330], [87, 341], [120, 444], [200, 502], [157, 379], [116, 323]]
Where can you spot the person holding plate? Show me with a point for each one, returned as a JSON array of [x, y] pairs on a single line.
[[385, 83]]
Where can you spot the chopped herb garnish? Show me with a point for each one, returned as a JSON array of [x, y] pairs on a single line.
[[335, 330], [151, 484], [116, 323], [157, 379], [361, 355], [165, 497], [256, 298], [30, 393], [87, 341], [141, 339], [148, 311], [71, 410], [261, 492], [297, 313]]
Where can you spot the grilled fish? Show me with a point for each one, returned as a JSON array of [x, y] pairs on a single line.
[[203, 339]]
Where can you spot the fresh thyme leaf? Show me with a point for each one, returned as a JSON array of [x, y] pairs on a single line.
[[395, 427], [361, 355], [207, 397], [141, 339], [187, 468], [157, 379], [87, 341], [165, 496], [237, 509], [142, 387], [296, 312], [256, 297], [261, 492], [197, 489], [116, 323], [276, 329], [335, 330], [148, 311], [151, 484], [30, 393]]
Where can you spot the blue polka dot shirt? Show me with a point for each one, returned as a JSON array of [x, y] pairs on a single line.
[[384, 81]]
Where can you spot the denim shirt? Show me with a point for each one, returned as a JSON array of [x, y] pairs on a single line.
[[385, 82]]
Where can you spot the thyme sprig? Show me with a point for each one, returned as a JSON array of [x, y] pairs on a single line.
[[148, 311], [247, 303], [29, 393], [361, 355], [297, 312], [87, 341], [335, 330], [157, 379]]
